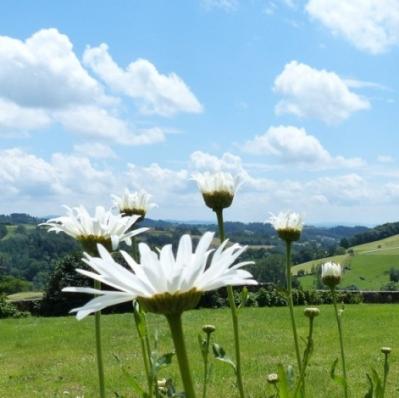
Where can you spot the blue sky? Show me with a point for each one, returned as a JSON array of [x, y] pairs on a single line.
[[298, 97]]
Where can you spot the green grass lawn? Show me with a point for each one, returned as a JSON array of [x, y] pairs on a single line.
[[25, 296], [54, 357]]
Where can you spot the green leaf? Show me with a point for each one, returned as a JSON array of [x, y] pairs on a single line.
[[338, 379], [163, 361], [137, 388], [378, 384], [369, 393], [140, 319], [243, 297], [131, 379], [203, 346], [282, 385], [220, 354]]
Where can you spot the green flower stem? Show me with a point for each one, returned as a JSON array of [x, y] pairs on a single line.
[[175, 325], [306, 357], [141, 324], [100, 366], [135, 250], [208, 337], [139, 318], [291, 306], [234, 315], [341, 341], [386, 371]]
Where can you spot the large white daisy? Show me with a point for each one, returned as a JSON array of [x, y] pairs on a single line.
[[104, 227], [162, 282]]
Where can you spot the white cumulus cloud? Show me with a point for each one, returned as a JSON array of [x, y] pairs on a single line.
[[206, 162], [94, 150], [14, 118], [43, 83], [310, 92], [44, 72], [370, 25], [156, 93], [295, 145], [96, 122], [342, 190], [26, 174], [226, 5]]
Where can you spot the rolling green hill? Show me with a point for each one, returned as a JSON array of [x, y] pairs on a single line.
[[367, 265]]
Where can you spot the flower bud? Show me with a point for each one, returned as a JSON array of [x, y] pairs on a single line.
[[217, 189], [208, 329], [134, 203], [331, 274], [161, 383], [272, 378], [288, 225], [386, 350], [311, 312], [218, 200]]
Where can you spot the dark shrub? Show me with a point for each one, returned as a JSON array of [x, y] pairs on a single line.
[[8, 310]]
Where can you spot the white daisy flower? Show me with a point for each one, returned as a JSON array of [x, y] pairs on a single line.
[[217, 189], [288, 225], [133, 203], [331, 274], [164, 283], [104, 227]]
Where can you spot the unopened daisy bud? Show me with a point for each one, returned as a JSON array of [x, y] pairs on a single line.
[[311, 312], [208, 329], [288, 225], [217, 189], [161, 383], [386, 350], [134, 203], [331, 274], [272, 378]]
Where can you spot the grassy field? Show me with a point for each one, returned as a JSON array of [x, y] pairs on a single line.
[[368, 267], [309, 265], [25, 296], [54, 357], [11, 229]]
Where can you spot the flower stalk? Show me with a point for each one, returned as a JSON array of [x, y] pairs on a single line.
[[311, 313], [99, 351], [234, 314], [386, 351], [141, 327], [142, 331], [175, 325], [341, 340], [291, 307], [97, 331], [204, 345]]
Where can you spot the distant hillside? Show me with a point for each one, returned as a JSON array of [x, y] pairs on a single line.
[[19, 218], [369, 266], [373, 234], [28, 252]]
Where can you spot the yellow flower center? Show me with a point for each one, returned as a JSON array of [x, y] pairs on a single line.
[[166, 303]]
